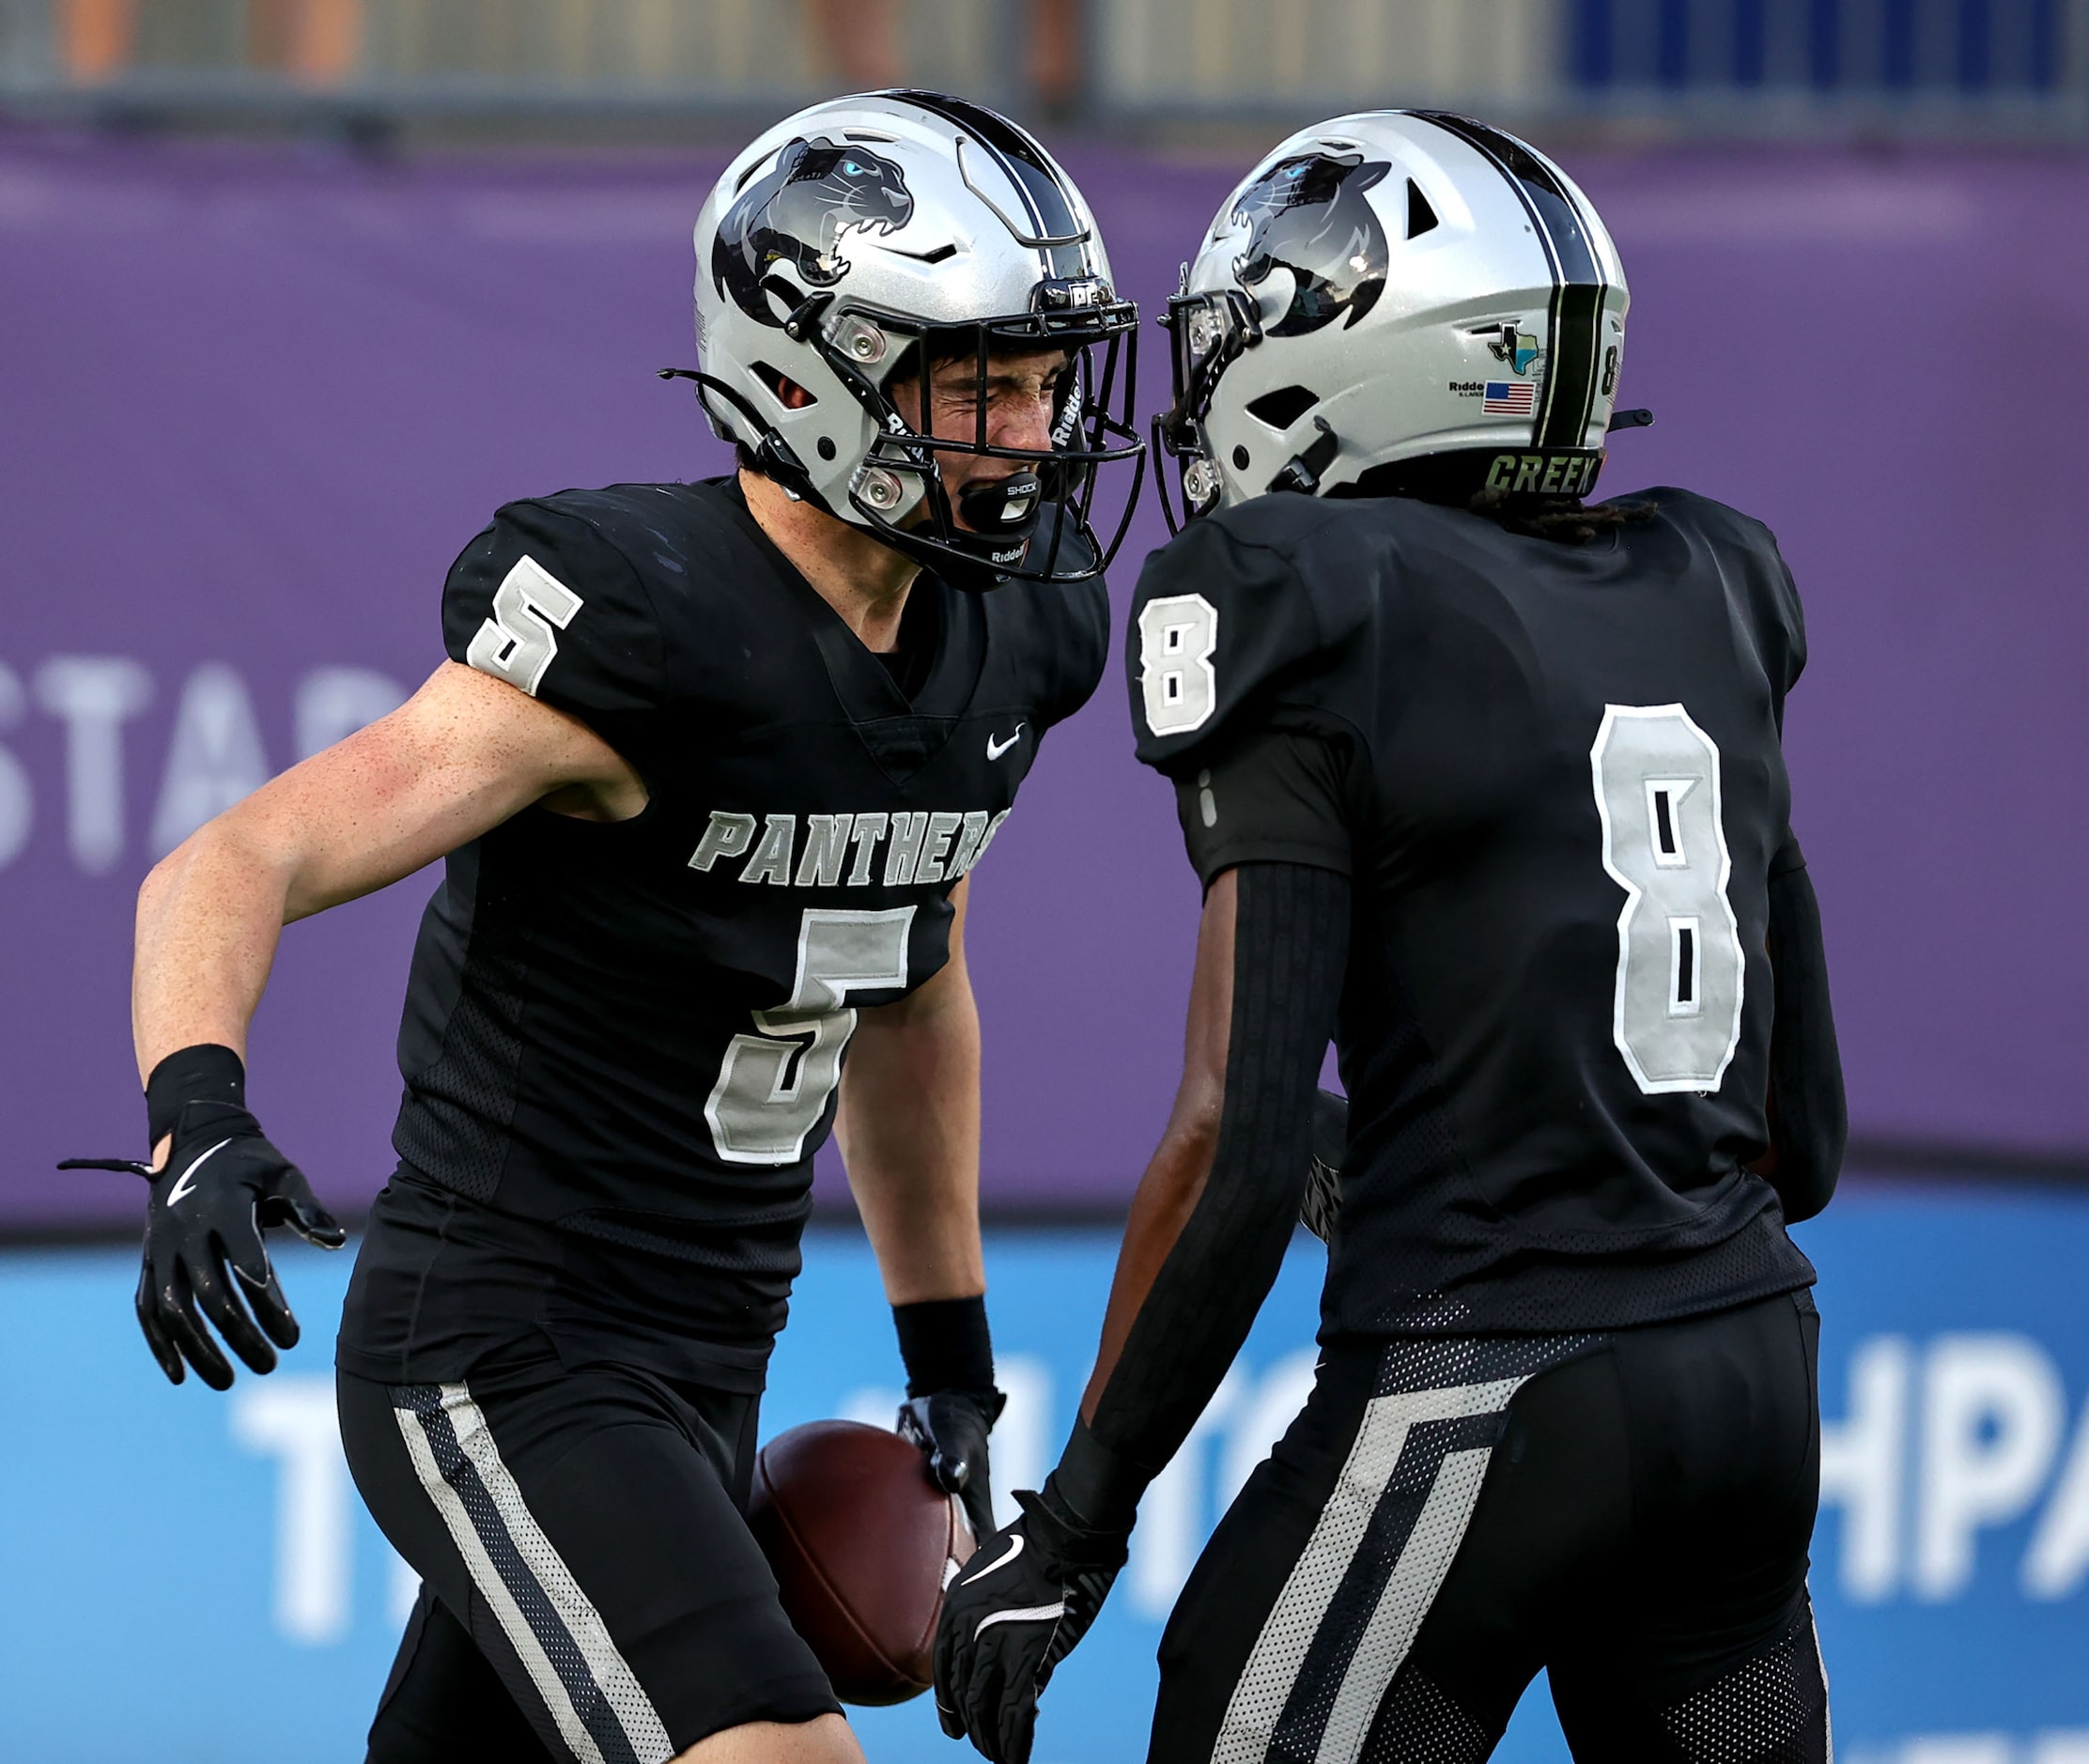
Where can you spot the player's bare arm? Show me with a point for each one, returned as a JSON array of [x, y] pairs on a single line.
[[461, 755], [465, 753], [908, 1128], [908, 1125], [1180, 1166]]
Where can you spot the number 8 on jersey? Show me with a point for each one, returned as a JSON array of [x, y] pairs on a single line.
[[1178, 635], [1676, 1013]]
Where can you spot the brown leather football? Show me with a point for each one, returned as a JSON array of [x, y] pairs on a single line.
[[860, 1542]]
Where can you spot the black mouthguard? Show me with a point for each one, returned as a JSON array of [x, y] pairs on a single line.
[[1002, 508]]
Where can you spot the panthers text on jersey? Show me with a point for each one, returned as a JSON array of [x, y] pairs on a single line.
[[1554, 776], [622, 1042]]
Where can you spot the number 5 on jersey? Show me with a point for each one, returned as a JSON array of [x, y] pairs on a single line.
[[1677, 1013], [773, 1085], [530, 608]]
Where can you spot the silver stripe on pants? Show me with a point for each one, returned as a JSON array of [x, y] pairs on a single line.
[[582, 1623], [1288, 1635]]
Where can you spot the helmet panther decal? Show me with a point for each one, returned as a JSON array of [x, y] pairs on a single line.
[[816, 194], [1308, 214]]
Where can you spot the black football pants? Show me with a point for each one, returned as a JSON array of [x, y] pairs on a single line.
[[590, 1590], [1629, 1511]]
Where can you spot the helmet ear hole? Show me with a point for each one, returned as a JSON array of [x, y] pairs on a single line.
[[1280, 409], [789, 393]]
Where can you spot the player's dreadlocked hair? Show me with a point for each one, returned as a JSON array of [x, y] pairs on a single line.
[[1566, 520]]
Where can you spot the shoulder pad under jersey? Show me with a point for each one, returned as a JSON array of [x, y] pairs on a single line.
[[1749, 558]]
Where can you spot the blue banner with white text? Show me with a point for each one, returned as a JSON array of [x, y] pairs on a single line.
[[191, 1576]]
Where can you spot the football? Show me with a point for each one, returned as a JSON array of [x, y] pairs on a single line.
[[861, 1542]]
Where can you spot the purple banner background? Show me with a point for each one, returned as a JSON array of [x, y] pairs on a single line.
[[257, 398]]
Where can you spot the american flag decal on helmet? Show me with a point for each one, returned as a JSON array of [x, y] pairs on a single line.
[[1509, 397]]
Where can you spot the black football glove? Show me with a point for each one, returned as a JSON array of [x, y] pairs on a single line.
[[223, 1185], [952, 1425], [1014, 1612]]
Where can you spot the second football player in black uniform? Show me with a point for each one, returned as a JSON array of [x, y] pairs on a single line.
[[711, 764], [1486, 785]]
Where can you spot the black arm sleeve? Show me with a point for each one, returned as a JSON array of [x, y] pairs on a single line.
[[1290, 949], [1809, 1118]]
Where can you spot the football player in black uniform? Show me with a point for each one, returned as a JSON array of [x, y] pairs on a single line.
[[1485, 784], [711, 764]]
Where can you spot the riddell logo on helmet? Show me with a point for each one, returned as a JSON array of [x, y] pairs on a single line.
[[1544, 474]]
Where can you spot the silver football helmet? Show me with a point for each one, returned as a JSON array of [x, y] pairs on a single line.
[[868, 240], [1405, 293]]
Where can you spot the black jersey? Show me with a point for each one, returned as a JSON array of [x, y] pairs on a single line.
[[1553, 774], [622, 1042]]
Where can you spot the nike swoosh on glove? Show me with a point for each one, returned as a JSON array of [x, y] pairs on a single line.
[[1014, 1611], [952, 1425], [223, 1185]]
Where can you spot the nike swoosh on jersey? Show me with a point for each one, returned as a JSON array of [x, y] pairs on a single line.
[[184, 1185], [995, 749], [1014, 1549]]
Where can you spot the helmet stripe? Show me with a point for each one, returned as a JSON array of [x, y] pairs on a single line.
[[1045, 201], [1563, 231], [1571, 382], [1579, 283]]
